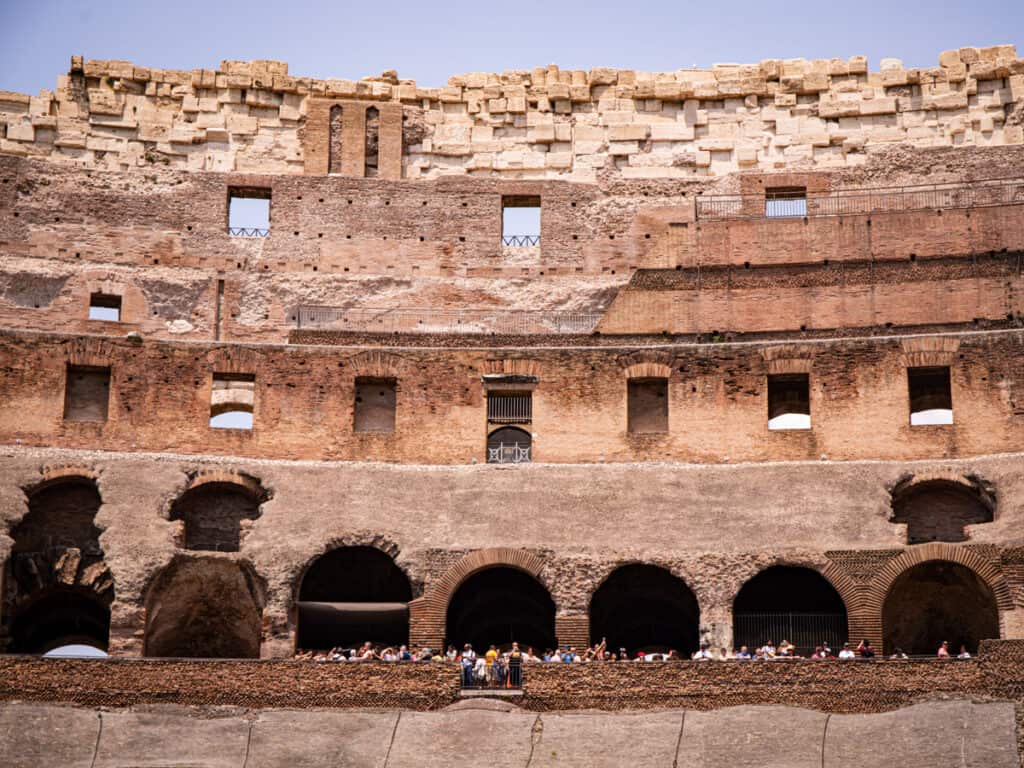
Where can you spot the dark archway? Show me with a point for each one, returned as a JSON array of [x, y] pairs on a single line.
[[204, 608], [62, 616], [644, 607], [939, 510], [789, 603], [351, 595], [498, 605], [213, 515], [56, 585], [935, 601], [509, 445]]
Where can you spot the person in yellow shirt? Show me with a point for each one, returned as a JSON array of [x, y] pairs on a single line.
[[489, 663]]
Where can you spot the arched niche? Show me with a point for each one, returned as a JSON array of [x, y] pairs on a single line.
[[499, 605]]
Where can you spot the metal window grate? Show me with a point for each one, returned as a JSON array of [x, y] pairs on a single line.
[[503, 408], [804, 630], [248, 232], [520, 240]]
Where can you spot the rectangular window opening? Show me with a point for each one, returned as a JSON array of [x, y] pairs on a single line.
[[520, 220], [510, 407], [931, 397], [784, 202], [375, 405], [233, 401], [647, 409], [248, 212], [86, 393], [789, 401], [104, 306]]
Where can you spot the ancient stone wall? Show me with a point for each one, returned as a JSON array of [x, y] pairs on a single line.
[[541, 123]]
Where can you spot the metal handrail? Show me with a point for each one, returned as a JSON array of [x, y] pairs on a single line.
[[520, 240], [842, 202], [432, 320], [248, 232]]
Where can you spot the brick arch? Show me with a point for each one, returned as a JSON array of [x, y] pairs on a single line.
[[880, 586], [90, 352], [511, 367], [377, 364], [648, 370], [607, 571], [853, 597], [247, 483], [52, 474], [382, 544], [235, 360], [427, 614], [656, 361]]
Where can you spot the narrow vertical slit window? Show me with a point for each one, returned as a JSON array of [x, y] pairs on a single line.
[[520, 220], [789, 401], [647, 406], [784, 202], [931, 397], [104, 306], [372, 141], [86, 393], [249, 212], [374, 409], [335, 132], [233, 401]]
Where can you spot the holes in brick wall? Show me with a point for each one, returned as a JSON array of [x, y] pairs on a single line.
[[103, 306], [233, 401], [647, 406], [789, 401], [931, 397], [86, 393], [375, 401]]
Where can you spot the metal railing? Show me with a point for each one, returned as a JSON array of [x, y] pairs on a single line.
[[509, 408], [508, 453], [520, 240], [804, 630], [844, 202], [495, 321], [248, 232]]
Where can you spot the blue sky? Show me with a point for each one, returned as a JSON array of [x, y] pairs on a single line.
[[430, 41]]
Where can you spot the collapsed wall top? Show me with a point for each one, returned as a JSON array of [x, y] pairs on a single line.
[[540, 123]]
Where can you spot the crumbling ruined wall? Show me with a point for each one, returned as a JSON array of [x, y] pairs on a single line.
[[541, 123]]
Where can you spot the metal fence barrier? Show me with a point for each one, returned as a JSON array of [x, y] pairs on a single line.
[[975, 194], [496, 321], [248, 232], [520, 240], [804, 630]]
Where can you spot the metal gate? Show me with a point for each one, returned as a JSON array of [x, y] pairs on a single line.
[[804, 630]]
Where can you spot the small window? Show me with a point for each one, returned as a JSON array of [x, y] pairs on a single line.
[[520, 220], [647, 409], [104, 306], [232, 401], [931, 399], [509, 407], [789, 401], [375, 405], [782, 202], [372, 155], [249, 212], [86, 393]]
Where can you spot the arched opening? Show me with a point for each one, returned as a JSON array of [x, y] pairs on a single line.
[[213, 515], [938, 601], [372, 141], [351, 595], [57, 588], [509, 445], [498, 605], [789, 603], [204, 608], [63, 616], [939, 511], [643, 607], [336, 132]]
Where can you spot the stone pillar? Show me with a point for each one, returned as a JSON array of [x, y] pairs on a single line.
[[278, 636], [716, 628]]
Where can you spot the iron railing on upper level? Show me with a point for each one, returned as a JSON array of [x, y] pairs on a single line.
[[248, 232], [496, 321], [844, 202], [520, 240]]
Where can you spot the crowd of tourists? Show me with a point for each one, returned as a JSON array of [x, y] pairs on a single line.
[[495, 667]]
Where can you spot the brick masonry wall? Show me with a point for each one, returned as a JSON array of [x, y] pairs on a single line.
[[254, 116], [852, 687], [304, 399]]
